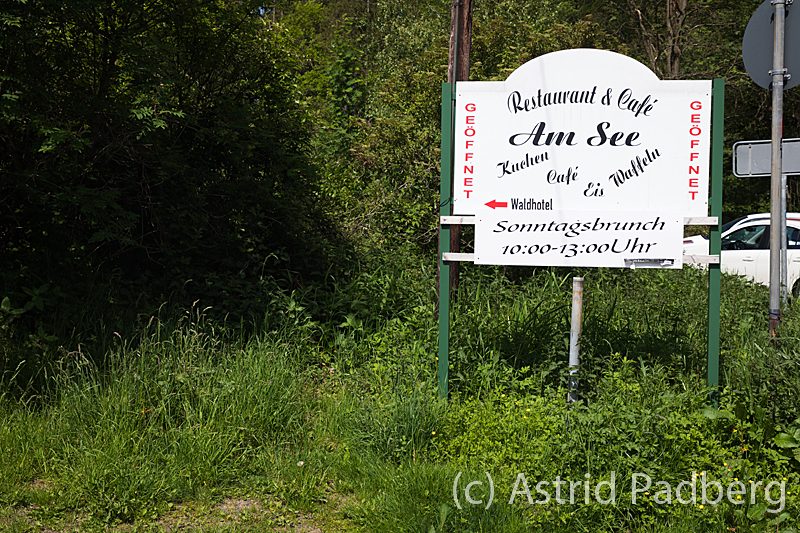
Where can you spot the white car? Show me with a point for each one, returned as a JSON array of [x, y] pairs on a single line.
[[745, 248]]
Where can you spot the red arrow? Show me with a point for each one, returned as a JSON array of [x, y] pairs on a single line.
[[494, 204]]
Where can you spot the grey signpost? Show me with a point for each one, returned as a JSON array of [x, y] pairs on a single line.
[[770, 19]]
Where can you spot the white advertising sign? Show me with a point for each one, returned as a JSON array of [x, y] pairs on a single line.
[[582, 130], [582, 238]]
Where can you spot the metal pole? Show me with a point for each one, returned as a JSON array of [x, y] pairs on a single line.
[[784, 246], [576, 326], [778, 71], [445, 208], [715, 203], [447, 231]]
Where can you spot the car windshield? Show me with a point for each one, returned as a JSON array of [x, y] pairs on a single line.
[[729, 225], [747, 238]]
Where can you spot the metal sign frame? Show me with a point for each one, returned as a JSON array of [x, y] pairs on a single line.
[[714, 221]]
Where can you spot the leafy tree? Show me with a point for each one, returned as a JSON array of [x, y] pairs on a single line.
[[152, 151]]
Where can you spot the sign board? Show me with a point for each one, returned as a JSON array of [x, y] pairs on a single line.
[[575, 132], [570, 238], [757, 45], [754, 158], [582, 130]]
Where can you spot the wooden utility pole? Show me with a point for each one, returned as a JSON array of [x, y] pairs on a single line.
[[461, 31], [458, 69]]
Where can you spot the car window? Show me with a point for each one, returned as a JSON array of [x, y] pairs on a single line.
[[792, 239], [793, 236], [746, 238]]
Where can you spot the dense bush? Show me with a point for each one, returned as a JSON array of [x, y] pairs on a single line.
[[323, 407], [153, 152]]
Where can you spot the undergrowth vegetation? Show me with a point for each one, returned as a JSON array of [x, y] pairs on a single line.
[[332, 410]]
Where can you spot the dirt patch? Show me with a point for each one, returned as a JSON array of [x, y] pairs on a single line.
[[304, 525], [41, 485], [236, 508], [234, 513], [231, 513], [28, 518]]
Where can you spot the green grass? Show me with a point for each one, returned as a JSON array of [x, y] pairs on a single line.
[[328, 418]]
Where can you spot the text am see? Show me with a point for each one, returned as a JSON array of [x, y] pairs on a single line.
[[540, 136]]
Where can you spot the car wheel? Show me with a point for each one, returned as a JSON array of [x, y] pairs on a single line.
[[796, 290]]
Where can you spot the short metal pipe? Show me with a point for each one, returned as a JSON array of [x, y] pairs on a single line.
[[575, 330]]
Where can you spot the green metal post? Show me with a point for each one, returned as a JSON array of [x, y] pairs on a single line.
[[445, 208], [714, 276]]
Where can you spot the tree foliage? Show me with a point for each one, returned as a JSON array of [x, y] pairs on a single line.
[[382, 170], [152, 150], [167, 151]]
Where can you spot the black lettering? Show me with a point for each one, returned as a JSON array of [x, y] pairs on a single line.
[[514, 100]]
